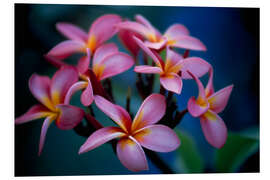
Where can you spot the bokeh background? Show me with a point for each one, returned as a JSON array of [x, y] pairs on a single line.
[[232, 38]]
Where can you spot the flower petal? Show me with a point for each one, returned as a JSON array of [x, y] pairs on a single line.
[[73, 89], [151, 111], [69, 116], [147, 69], [172, 82], [209, 90], [66, 48], [104, 51], [195, 65], [107, 67], [99, 137], [189, 42], [62, 80], [54, 61], [219, 100], [71, 31], [87, 96], [103, 28], [40, 88], [176, 30], [173, 61], [149, 52], [131, 155], [47, 122], [84, 63], [114, 112], [135, 27], [196, 109], [144, 21], [200, 86], [214, 129], [35, 112], [155, 45], [158, 138]]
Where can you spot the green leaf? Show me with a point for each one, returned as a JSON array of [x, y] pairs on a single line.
[[238, 148], [188, 158]]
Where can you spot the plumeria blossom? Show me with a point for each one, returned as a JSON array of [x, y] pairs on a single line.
[[142, 132], [107, 62], [176, 35], [102, 29], [207, 106], [169, 70], [51, 94]]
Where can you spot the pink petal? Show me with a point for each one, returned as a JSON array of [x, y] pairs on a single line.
[[40, 88], [47, 122], [214, 129], [149, 52], [103, 51], [172, 82], [35, 112], [209, 90], [114, 112], [99, 137], [131, 155], [109, 68], [73, 89], [84, 63], [176, 30], [195, 65], [66, 48], [219, 100], [151, 111], [201, 95], [173, 61], [87, 96], [62, 80], [158, 138], [155, 45], [135, 27], [147, 69], [144, 21], [72, 32], [126, 37], [103, 28], [189, 42], [69, 117], [196, 109]]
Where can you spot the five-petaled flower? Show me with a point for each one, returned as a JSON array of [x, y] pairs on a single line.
[[169, 71], [176, 35], [133, 135], [102, 29], [207, 106], [107, 62], [51, 94]]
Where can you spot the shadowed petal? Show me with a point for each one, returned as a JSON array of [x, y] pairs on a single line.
[[35, 112], [195, 65], [214, 129], [62, 80], [189, 42], [104, 51], [103, 28], [219, 100], [172, 82], [196, 109], [114, 64], [131, 155], [176, 30], [135, 27], [47, 122], [84, 63], [113, 111], [147, 69], [66, 48], [155, 45], [87, 96], [73, 89], [151, 111], [71, 31], [69, 116], [40, 88], [101, 136], [158, 138]]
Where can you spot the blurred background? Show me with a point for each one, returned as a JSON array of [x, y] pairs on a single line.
[[232, 39]]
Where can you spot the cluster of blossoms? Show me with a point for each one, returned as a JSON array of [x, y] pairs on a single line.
[[152, 127]]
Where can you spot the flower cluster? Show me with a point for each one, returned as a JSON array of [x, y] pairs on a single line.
[[152, 126]]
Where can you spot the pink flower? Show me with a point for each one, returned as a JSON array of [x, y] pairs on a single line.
[[207, 106], [107, 62], [134, 135], [100, 31], [174, 63], [51, 94], [176, 35]]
